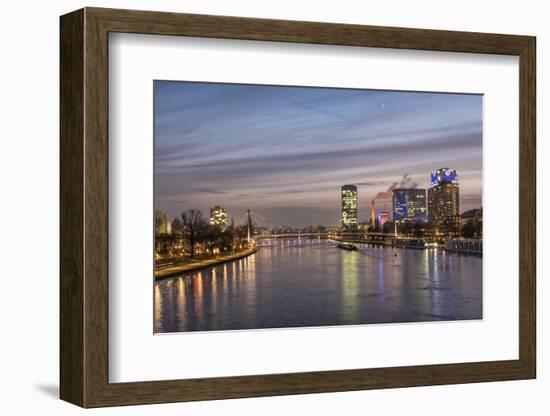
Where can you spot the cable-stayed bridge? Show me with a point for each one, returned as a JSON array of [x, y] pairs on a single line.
[[251, 218]]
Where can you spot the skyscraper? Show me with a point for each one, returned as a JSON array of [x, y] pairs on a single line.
[[349, 207], [218, 216], [443, 196], [162, 224], [408, 203]]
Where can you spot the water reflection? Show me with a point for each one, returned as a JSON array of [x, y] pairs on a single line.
[[350, 285], [303, 282]]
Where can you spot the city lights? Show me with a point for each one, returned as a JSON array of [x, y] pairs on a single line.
[[282, 206]]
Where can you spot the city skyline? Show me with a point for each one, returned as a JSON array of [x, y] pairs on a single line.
[[286, 151]]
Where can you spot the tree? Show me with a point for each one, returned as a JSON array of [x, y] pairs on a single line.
[[176, 226], [240, 234], [471, 229], [164, 244], [406, 228], [418, 229], [191, 227], [209, 235], [321, 228], [226, 239]]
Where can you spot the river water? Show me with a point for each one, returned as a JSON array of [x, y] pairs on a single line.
[[301, 283]]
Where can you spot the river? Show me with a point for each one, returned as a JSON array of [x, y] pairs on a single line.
[[304, 283]]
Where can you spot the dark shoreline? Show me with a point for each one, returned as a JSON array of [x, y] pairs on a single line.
[[187, 268]]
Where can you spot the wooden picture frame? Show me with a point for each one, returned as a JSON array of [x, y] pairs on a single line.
[[84, 207]]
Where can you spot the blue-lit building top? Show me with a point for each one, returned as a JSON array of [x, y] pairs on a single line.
[[444, 175], [443, 195]]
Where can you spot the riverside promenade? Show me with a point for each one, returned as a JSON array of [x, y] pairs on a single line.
[[171, 271]]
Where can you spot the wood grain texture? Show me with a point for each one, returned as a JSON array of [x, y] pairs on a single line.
[[84, 207], [96, 208], [71, 100], [527, 208]]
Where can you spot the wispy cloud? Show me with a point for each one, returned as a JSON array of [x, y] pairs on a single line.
[[278, 148], [209, 191]]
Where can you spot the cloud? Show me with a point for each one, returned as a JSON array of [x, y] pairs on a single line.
[[178, 201], [372, 183], [288, 146], [210, 191]]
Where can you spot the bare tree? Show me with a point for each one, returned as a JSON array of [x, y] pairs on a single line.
[[191, 228]]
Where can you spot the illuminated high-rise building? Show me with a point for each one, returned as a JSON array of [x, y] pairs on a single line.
[[443, 196], [162, 224], [218, 216], [166, 227], [408, 203], [349, 207]]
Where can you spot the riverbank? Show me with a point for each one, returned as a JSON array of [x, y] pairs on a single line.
[[463, 251], [379, 243], [172, 271], [407, 245]]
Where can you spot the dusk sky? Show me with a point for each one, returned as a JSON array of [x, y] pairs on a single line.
[[284, 152]]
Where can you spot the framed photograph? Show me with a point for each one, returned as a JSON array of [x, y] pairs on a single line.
[[255, 207]]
